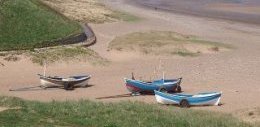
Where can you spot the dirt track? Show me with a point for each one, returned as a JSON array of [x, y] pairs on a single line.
[[236, 73]]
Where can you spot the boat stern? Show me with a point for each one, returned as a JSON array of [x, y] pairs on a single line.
[[162, 99], [45, 83], [218, 100]]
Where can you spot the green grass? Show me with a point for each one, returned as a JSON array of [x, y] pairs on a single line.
[[26, 24], [95, 114], [113, 17], [165, 43], [124, 16], [66, 53]]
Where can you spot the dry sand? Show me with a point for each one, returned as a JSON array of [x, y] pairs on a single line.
[[3, 109], [236, 73]]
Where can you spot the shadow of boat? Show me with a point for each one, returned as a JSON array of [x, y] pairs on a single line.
[[39, 88], [193, 106], [116, 96], [126, 95]]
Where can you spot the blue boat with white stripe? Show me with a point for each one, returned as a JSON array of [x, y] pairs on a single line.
[[186, 100], [137, 86]]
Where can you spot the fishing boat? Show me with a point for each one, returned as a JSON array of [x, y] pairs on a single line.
[[67, 83], [187, 100], [137, 86]]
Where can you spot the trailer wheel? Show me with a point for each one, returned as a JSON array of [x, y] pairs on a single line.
[[184, 103], [67, 86], [162, 89]]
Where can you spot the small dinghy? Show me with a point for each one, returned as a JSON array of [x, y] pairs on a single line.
[[137, 87], [67, 83], [187, 100]]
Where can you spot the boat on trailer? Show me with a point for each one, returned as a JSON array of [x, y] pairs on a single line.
[[138, 87], [187, 100], [67, 83]]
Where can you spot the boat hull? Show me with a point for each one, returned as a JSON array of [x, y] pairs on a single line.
[[46, 83], [203, 99], [81, 81], [135, 86]]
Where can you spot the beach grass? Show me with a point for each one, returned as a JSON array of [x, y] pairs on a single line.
[[165, 43], [66, 53], [91, 11], [124, 16], [81, 113], [26, 23]]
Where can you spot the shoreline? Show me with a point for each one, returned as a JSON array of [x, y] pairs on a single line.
[[218, 15]]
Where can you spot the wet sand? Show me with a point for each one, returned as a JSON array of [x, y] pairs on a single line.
[[247, 11]]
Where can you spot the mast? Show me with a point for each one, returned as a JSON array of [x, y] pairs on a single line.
[[44, 68]]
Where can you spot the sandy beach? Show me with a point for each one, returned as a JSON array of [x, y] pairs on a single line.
[[236, 73]]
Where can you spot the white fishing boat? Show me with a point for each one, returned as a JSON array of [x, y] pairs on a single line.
[[186, 100], [67, 83]]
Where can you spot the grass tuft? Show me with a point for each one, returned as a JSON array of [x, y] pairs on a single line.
[[124, 16], [165, 43], [66, 53], [90, 11], [12, 58]]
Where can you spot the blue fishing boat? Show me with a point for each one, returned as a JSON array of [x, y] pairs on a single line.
[[186, 100], [169, 85]]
